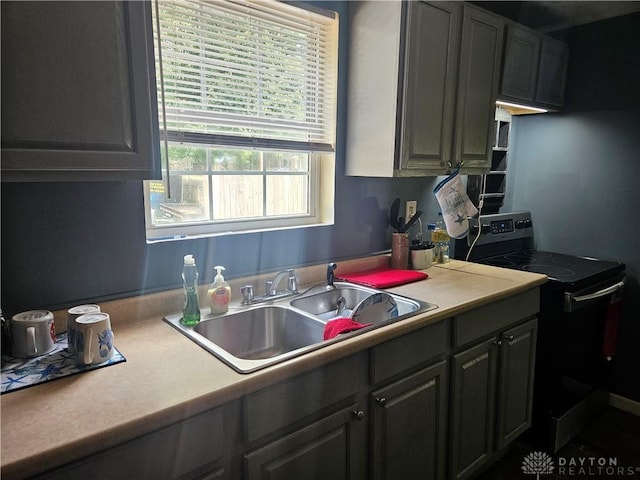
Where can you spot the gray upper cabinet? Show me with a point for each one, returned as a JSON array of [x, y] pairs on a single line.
[[479, 76], [522, 56], [535, 68], [552, 74], [423, 80], [78, 92], [430, 85]]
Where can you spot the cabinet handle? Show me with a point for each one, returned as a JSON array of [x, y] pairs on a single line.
[[381, 401], [510, 339], [458, 164], [358, 415], [497, 342]]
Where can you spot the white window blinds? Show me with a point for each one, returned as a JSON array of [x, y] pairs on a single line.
[[260, 74]]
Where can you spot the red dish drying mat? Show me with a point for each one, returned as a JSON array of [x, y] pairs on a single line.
[[384, 277]]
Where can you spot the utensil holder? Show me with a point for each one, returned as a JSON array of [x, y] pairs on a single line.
[[400, 250]]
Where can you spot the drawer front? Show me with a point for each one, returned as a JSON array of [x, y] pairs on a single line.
[[276, 407], [491, 318], [195, 444], [395, 356]]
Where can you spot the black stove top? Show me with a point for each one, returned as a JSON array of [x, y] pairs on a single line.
[[567, 270], [506, 240]]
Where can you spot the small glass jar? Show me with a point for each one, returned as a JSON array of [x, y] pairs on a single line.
[[443, 252]]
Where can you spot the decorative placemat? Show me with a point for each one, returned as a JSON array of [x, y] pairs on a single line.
[[19, 373]]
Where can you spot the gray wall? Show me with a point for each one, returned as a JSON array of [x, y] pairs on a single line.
[[66, 243], [578, 171]]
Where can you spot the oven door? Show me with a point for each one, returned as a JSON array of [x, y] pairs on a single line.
[[587, 297], [571, 369]]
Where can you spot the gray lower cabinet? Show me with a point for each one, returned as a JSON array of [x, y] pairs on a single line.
[[409, 426], [515, 382], [78, 91], [379, 414], [473, 373], [190, 450], [312, 426], [331, 447], [491, 390]]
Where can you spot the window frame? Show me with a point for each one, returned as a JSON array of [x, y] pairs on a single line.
[[321, 174]]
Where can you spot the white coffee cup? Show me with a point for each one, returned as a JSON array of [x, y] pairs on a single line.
[[72, 314], [93, 339], [33, 333]]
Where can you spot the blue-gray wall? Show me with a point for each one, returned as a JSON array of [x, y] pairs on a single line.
[[578, 171], [66, 243]]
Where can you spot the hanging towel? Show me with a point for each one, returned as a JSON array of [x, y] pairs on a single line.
[[611, 328], [384, 277], [341, 325], [455, 205]]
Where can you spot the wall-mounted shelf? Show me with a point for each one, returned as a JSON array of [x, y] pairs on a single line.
[[496, 178]]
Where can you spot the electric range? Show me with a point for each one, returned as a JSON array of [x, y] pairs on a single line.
[[579, 306]]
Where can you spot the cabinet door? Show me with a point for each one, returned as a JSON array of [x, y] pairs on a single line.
[[472, 420], [480, 68], [520, 71], [409, 426], [431, 68], [333, 447], [78, 91], [515, 384], [552, 74]]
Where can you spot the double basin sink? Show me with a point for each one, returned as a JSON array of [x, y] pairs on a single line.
[[249, 338]]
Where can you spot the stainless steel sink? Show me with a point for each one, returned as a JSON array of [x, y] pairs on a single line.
[[251, 338], [324, 304], [255, 337], [263, 332]]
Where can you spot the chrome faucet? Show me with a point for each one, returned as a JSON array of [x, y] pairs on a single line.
[[271, 288], [292, 283]]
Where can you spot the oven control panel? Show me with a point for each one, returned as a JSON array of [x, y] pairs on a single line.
[[500, 227]]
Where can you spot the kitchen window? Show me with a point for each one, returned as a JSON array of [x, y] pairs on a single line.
[[247, 111]]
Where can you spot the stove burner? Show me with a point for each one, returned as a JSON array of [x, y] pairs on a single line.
[[528, 256], [550, 270], [499, 262]]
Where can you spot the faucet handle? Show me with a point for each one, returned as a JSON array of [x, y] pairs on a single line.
[[268, 288], [247, 294], [292, 281]]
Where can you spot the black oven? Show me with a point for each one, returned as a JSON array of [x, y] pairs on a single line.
[[579, 309]]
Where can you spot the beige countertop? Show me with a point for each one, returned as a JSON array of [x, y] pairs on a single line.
[[168, 378]]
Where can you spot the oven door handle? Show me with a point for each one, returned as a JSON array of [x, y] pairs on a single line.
[[570, 298]]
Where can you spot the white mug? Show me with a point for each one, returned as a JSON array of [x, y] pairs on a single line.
[[33, 333], [72, 314], [93, 339]]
